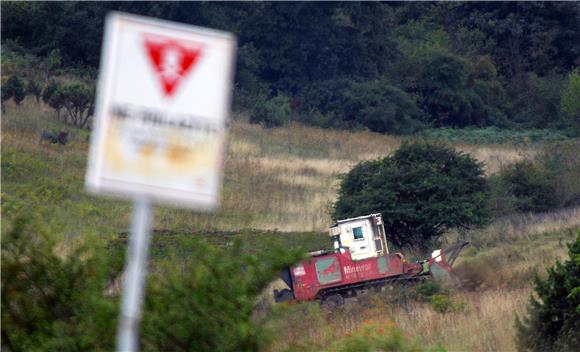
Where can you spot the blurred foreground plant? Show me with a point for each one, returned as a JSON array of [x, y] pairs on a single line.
[[53, 298]]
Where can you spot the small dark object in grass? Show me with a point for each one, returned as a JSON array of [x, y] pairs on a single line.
[[54, 137]]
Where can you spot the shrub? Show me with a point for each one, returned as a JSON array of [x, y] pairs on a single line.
[[383, 108], [552, 322], [444, 304], [376, 105], [538, 105], [445, 95], [35, 89], [377, 336], [54, 97], [421, 190], [273, 112], [54, 296], [207, 305], [78, 100], [570, 101], [15, 89], [547, 182], [54, 301], [533, 186], [427, 289]]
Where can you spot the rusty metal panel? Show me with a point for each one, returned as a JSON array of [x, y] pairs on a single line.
[[328, 270]]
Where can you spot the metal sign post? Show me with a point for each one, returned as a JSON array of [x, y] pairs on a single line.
[[162, 106], [134, 276]]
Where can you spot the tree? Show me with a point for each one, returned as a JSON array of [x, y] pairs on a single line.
[[445, 95], [54, 97], [552, 322], [570, 101], [78, 100], [35, 89], [273, 112], [383, 108], [16, 89], [421, 190]]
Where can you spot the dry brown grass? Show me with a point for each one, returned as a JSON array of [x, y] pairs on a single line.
[[496, 285], [284, 178], [291, 173]]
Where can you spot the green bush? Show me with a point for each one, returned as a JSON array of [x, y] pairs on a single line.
[[570, 102], [207, 304], [421, 190], [53, 297], [78, 100], [273, 112], [427, 289], [547, 182], [383, 108], [35, 89], [445, 95], [376, 105], [54, 97], [376, 336], [444, 304], [532, 185], [552, 322], [538, 105], [493, 135], [14, 88]]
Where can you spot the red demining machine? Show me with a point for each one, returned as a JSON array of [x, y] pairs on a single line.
[[360, 261]]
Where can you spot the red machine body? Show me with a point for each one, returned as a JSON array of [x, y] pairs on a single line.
[[337, 274]]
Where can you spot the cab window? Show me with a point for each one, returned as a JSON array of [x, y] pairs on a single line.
[[357, 233]]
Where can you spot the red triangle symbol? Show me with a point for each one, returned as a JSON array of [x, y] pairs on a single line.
[[172, 60]]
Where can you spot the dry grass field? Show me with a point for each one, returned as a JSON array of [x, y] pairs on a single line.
[[495, 286], [286, 179], [275, 179]]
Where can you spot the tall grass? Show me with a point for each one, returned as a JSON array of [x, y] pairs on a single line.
[[284, 178]]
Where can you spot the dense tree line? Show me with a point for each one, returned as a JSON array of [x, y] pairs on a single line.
[[389, 67]]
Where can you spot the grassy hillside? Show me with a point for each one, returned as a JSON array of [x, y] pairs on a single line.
[[282, 179], [280, 183]]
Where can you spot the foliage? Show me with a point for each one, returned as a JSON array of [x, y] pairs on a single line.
[[376, 105], [14, 88], [547, 182], [538, 104], [533, 186], [421, 190], [377, 336], [273, 112], [53, 297], [212, 297], [445, 95], [76, 97], [570, 101], [35, 89], [552, 322], [78, 101], [382, 108], [444, 304], [55, 294], [53, 96], [493, 135], [471, 64]]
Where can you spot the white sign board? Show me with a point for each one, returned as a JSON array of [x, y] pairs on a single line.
[[162, 107]]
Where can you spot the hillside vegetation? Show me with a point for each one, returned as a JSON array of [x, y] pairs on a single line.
[[393, 67], [285, 179], [319, 88]]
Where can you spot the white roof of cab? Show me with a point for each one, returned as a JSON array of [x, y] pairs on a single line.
[[357, 218]]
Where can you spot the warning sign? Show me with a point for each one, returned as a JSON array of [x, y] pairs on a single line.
[[162, 107]]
